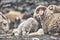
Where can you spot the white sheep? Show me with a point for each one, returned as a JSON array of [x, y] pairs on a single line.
[[26, 26]]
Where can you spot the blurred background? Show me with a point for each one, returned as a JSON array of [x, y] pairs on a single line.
[[25, 6]]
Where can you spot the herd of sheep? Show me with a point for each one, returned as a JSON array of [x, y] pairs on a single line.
[[45, 20]]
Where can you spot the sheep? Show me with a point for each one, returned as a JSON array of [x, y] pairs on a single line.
[[48, 22], [13, 17], [5, 26], [39, 14], [3, 23], [25, 27], [51, 9]]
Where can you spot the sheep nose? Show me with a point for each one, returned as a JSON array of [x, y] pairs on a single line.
[[35, 16]]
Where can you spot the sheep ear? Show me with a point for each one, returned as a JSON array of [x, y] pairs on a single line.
[[4, 17]]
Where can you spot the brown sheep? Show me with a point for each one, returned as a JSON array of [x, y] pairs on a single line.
[[39, 13], [50, 10], [14, 18], [48, 21], [53, 24]]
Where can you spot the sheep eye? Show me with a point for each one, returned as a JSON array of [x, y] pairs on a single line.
[[37, 12], [4, 24]]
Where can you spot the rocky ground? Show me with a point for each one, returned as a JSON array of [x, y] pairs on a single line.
[[42, 37], [25, 6]]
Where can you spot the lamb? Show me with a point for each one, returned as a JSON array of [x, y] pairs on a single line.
[[25, 27]]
